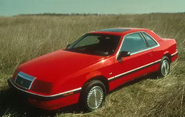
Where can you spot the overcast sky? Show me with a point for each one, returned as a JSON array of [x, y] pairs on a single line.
[[15, 7]]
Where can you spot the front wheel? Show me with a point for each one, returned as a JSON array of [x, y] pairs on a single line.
[[93, 95], [164, 69]]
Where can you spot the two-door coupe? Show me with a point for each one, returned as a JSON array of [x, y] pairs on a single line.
[[92, 66]]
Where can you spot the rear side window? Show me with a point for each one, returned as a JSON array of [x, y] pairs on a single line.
[[133, 43], [149, 40]]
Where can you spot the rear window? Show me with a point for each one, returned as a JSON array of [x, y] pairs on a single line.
[[149, 40]]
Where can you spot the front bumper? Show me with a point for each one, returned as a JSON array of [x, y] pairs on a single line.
[[50, 102]]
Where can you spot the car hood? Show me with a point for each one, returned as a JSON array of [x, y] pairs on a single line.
[[58, 64]]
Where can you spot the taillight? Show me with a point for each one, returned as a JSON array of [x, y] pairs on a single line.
[[41, 87]]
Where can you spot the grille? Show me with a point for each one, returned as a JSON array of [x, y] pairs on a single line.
[[24, 80]]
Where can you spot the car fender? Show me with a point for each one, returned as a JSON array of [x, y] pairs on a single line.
[[166, 53], [93, 74]]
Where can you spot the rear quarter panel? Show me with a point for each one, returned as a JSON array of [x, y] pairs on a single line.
[[167, 47]]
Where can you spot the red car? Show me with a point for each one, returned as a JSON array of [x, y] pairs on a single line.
[[92, 66]]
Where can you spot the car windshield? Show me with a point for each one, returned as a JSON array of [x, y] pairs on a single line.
[[95, 44]]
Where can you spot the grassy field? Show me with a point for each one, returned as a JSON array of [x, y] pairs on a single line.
[[25, 37]]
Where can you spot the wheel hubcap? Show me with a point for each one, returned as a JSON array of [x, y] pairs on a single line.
[[165, 67], [95, 97]]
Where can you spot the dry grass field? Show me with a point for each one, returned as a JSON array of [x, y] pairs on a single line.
[[25, 37]]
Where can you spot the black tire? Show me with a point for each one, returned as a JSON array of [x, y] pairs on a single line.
[[164, 68], [92, 95]]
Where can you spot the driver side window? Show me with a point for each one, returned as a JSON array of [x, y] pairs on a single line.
[[133, 43]]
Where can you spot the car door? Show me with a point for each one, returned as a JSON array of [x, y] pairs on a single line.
[[135, 65]]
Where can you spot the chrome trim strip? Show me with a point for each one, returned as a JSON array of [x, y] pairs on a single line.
[[144, 50], [174, 53], [134, 69], [77, 89]]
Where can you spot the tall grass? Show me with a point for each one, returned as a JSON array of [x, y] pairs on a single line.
[[25, 37]]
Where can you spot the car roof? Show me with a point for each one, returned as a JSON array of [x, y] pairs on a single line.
[[119, 31]]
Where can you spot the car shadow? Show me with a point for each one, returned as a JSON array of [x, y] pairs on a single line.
[[12, 104]]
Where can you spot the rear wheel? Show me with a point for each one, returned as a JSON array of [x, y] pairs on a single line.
[[92, 95], [164, 69]]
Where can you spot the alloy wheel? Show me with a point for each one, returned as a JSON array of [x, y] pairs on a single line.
[[95, 97]]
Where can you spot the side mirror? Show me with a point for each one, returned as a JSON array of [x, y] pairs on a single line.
[[68, 46], [123, 54]]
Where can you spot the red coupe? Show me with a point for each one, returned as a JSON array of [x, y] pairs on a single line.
[[92, 66]]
